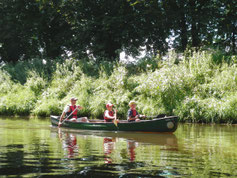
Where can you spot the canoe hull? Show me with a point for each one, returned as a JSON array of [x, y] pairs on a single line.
[[166, 124]]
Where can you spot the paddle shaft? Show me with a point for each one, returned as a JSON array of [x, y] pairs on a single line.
[[115, 118], [158, 116]]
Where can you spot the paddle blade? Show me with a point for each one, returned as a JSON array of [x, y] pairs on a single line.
[[116, 122]]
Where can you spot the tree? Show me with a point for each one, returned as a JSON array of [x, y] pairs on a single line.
[[31, 26], [104, 28], [54, 27], [17, 29], [226, 24]]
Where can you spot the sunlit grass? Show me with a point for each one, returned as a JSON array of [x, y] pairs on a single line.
[[196, 86]]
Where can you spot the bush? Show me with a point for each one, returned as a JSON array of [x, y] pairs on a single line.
[[47, 107], [5, 83], [20, 101], [35, 83], [196, 86]]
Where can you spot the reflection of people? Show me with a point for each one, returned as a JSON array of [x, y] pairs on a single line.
[[108, 148], [69, 143], [109, 115], [131, 149], [132, 112], [70, 111]]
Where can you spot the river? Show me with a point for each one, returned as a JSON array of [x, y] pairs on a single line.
[[30, 147]]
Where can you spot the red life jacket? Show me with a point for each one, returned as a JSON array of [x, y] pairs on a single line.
[[134, 112], [74, 114], [111, 113]]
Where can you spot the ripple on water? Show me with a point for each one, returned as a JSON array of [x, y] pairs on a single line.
[[31, 148]]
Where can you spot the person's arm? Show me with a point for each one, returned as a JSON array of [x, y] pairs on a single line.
[[130, 118], [61, 118], [79, 107], [108, 116], [66, 109], [140, 116]]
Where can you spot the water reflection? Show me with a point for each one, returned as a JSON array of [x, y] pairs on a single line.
[[162, 139], [30, 148], [108, 145], [69, 143], [131, 149], [109, 140]]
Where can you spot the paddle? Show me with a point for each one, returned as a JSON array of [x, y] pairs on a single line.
[[115, 119], [69, 115]]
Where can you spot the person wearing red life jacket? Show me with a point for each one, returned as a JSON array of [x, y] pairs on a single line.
[[133, 114], [109, 114], [70, 111]]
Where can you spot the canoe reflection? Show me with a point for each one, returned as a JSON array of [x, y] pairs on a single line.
[[145, 138], [69, 139], [165, 139]]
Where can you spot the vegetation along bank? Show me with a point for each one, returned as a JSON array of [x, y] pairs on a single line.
[[197, 87]]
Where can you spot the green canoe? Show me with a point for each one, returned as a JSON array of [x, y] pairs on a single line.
[[165, 124]]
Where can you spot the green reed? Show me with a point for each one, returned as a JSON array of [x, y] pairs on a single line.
[[196, 86]]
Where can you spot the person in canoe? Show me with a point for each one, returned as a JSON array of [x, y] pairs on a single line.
[[132, 113], [109, 114], [70, 111]]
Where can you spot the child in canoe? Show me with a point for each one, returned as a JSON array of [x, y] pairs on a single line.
[[109, 114], [133, 114]]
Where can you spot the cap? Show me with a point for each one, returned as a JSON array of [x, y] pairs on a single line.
[[109, 104], [131, 103], [73, 98]]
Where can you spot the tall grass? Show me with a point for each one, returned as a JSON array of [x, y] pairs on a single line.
[[196, 86]]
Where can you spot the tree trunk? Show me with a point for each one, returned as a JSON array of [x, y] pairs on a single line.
[[111, 47], [233, 41], [194, 25], [184, 39]]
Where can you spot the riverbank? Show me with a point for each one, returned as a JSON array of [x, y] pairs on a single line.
[[198, 87]]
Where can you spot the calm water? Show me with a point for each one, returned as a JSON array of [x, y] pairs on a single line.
[[31, 148]]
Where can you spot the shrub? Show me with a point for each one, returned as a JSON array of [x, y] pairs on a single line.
[[196, 86], [18, 102], [48, 106], [6, 83]]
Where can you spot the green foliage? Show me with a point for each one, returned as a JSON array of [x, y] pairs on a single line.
[[195, 88], [20, 101], [5, 82], [102, 29], [83, 90], [35, 83], [47, 106], [21, 70]]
